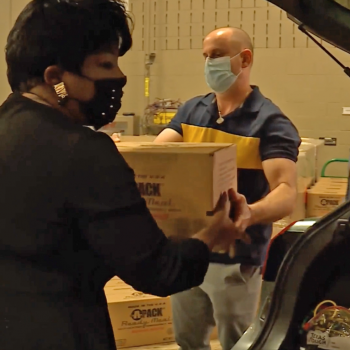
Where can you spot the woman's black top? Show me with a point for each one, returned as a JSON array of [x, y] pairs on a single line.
[[71, 218]]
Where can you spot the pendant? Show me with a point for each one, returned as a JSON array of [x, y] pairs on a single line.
[[220, 120]]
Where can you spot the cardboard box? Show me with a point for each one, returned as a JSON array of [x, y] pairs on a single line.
[[279, 226], [116, 283], [332, 181], [181, 182], [334, 188], [322, 200], [142, 138], [139, 319], [325, 196], [330, 184]]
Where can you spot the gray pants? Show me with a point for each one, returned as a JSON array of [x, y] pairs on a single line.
[[228, 298]]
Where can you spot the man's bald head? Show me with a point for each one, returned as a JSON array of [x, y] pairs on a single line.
[[234, 38], [230, 42]]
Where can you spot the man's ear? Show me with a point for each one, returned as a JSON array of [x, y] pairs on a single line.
[[247, 58], [53, 75]]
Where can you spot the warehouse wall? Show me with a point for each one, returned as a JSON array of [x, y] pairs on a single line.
[[299, 77], [345, 3], [10, 10]]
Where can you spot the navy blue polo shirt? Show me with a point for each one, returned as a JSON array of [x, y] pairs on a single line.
[[261, 132]]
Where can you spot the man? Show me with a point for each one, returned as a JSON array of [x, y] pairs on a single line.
[[267, 150]]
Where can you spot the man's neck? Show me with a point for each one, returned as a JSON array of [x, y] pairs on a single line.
[[232, 99]]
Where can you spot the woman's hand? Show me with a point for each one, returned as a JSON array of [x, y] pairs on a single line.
[[240, 212], [222, 230]]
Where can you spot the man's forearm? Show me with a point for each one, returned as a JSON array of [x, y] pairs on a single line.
[[278, 204]]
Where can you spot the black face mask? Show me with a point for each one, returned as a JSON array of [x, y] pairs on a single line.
[[103, 107]]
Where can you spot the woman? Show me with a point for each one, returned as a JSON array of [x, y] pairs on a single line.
[[72, 217]]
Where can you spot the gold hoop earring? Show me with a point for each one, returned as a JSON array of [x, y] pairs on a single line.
[[61, 93]]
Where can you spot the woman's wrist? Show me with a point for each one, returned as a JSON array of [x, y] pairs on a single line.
[[207, 236]]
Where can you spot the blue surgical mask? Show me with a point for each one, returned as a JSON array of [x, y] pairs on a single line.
[[218, 74]]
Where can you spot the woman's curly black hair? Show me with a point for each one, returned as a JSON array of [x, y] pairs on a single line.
[[64, 33]]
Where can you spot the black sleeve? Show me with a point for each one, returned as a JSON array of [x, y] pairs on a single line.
[[280, 139], [120, 229], [180, 118]]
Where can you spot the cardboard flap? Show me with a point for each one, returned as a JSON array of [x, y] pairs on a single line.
[[224, 173], [172, 147]]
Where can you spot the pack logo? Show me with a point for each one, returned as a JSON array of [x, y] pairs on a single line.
[[139, 314], [149, 189], [325, 202]]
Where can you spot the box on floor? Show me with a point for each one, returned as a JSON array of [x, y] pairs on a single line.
[[139, 319]]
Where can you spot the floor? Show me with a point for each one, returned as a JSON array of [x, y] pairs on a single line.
[[214, 346]]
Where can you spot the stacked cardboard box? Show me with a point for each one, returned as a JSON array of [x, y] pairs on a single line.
[[306, 176], [139, 319], [308, 170], [325, 196]]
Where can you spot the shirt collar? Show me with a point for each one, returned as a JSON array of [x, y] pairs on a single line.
[[252, 104]]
